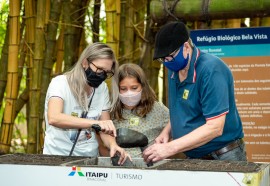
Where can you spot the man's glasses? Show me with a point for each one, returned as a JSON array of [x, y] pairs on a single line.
[[101, 72], [170, 56], [162, 59]]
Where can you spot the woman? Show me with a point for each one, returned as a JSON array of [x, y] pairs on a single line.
[[79, 99], [135, 106]]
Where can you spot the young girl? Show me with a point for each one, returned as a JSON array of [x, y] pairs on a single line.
[[135, 105]]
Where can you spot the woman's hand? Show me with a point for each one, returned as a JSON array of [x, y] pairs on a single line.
[[107, 127]]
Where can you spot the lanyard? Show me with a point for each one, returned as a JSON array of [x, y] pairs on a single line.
[[84, 115]]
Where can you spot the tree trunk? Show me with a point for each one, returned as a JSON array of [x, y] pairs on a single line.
[[12, 79], [208, 10]]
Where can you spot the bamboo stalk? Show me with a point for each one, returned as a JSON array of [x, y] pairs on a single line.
[[122, 34], [217, 23], [12, 77], [96, 21], [83, 44], [3, 65], [196, 10], [33, 125], [30, 21], [129, 30], [59, 53], [50, 42], [47, 12], [265, 21], [233, 23], [73, 30], [255, 22], [113, 9], [140, 7]]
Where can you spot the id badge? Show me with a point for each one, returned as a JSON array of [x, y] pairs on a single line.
[[134, 121]]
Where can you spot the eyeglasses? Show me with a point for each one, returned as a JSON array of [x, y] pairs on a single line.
[[100, 72], [162, 59]]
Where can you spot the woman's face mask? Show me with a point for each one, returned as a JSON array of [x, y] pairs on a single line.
[[178, 62], [130, 98], [93, 79]]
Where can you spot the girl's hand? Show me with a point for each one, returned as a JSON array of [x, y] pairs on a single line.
[[123, 155]]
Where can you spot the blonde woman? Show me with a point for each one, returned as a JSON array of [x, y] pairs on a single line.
[[78, 100]]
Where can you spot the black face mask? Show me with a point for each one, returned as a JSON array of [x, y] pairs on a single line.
[[93, 79]]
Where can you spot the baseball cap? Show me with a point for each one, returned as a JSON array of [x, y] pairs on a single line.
[[170, 37]]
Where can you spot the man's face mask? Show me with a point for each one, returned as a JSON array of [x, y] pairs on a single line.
[[178, 62], [93, 79]]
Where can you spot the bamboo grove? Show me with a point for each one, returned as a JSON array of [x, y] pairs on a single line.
[[43, 38]]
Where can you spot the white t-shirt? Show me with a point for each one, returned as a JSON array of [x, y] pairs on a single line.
[[59, 141]]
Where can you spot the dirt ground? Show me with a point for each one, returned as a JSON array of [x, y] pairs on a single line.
[[210, 165], [173, 164], [36, 159]]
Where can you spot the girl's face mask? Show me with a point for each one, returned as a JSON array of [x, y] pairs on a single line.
[[130, 98]]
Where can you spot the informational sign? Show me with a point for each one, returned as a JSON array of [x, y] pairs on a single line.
[[32, 175], [247, 52]]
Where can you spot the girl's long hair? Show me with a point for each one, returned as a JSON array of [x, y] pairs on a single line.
[[148, 95], [76, 76]]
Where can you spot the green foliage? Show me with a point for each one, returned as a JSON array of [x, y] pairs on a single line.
[[4, 9], [18, 143], [89, 22], [2, 112]]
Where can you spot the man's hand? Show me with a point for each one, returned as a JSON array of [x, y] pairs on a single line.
[[162, 138], [157, 152]]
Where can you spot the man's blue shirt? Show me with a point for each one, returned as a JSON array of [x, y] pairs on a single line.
[[206, 93]]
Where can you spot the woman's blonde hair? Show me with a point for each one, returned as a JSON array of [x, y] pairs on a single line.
[[148, 95], [76, 76]]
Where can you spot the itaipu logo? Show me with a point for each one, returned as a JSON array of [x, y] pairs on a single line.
[[94, 176], [74, 170]]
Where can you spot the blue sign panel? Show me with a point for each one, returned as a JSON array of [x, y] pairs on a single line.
[[233, 42]]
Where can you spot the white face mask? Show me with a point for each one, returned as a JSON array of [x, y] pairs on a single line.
[[130, 98]]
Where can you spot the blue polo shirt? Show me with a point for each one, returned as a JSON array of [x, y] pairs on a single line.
[[206, 93]]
